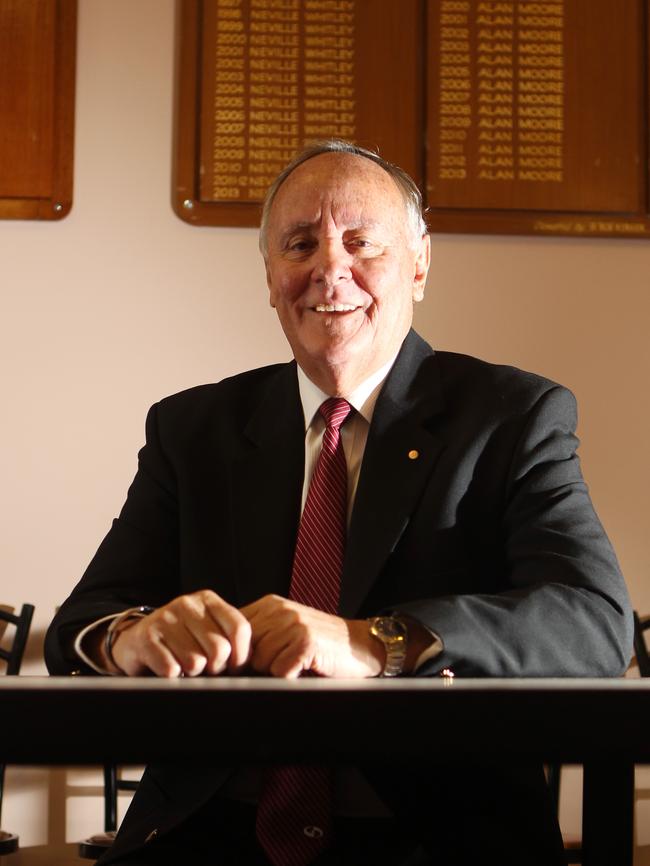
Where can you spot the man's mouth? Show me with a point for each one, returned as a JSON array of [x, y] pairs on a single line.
[[335, 308]]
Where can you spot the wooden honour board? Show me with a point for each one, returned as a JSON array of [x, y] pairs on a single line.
[[37, 92], [260, 78], [537, 116], [520, 116]]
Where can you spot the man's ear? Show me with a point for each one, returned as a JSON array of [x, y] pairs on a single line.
[[422, 263], [269, 283]]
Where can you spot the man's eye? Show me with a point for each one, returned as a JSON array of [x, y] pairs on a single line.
[[298, 246]]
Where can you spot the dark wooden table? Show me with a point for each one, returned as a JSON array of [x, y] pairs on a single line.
[[602, 724]]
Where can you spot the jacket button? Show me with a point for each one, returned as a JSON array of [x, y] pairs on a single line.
[[151, 836]]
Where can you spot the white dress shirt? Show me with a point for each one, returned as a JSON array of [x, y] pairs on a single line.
[[354, 433]]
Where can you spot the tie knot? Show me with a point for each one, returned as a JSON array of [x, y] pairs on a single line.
[[335, 411]]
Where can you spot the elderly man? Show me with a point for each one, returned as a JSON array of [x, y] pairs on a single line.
[[371, 508]]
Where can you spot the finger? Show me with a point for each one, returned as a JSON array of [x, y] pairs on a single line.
[[267, 607], [211, 628], [160, 660], [173, 649], [271, 614], [288, 664], [215, 648], [176, 629], [235, 628], [202, 647], [143, 651], [284, 653]]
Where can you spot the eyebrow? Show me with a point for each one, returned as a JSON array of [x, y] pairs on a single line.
[[292, 229], [311, 224], [300, 224]]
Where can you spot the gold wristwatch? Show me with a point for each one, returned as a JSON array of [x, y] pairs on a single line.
[[393, 633]]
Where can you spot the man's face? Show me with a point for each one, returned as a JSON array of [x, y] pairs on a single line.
[[341, 266]]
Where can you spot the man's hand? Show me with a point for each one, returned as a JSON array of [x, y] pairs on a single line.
[[289, 638], [193, 634]]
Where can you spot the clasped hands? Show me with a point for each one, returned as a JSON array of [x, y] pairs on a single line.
[[201, 633]]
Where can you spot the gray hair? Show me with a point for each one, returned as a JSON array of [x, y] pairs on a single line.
[[405, 183]]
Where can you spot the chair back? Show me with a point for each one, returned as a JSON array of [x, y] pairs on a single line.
[[12, 653], [640, 646]]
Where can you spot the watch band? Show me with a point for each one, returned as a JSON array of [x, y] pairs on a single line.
[[113, 630]]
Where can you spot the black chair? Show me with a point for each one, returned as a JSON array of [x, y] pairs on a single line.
[[12, 654], [94, 846], [572, 847], [554, 771], [640, 646]]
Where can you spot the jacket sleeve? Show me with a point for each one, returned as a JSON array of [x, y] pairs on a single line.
[[565, 610]]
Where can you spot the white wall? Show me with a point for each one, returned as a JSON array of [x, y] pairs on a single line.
[[121, 303]]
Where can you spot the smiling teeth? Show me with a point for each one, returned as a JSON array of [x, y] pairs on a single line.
[[335, 308]]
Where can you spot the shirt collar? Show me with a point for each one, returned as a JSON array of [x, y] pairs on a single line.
[[363, 398]]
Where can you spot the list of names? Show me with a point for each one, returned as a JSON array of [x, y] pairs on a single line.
[[284, 76], [501, 80]]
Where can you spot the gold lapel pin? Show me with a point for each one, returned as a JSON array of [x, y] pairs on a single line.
[[413, 455]]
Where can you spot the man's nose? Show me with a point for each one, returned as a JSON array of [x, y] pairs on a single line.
[[331, 262]]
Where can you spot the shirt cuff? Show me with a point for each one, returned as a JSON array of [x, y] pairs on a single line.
[[433, 650], [78, 645]]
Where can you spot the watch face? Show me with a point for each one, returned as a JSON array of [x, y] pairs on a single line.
[[390, 628]]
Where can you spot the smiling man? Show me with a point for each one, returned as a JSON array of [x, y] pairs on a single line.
[[345, 261], [371, 508]]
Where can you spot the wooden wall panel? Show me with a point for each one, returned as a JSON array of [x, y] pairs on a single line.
[[515, 116], [37, 85], [538, 116], [258, 79]]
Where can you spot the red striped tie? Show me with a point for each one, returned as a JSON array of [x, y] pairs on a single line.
[[293, 815]]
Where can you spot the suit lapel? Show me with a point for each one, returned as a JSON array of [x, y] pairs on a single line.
[[391, 481], [266, 488]]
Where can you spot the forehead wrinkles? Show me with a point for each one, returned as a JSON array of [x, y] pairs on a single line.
[[329, 218], [345, 189]]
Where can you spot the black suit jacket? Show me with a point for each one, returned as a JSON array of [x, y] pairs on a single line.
[[488, 537]]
